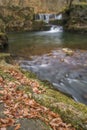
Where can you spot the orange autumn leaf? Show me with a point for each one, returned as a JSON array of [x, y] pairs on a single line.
[[18, 126], [3, 129], [18, 104]]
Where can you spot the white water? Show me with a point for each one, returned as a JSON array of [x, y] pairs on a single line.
[[59, 17], [56, 28], [47, 17], [44, 17]]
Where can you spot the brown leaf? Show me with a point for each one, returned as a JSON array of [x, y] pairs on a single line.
[[4, 121], [3, 129], [18, 126], [57, 122], [16, 105], [1, 79]]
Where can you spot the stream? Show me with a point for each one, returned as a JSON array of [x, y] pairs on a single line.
[[43, 53]]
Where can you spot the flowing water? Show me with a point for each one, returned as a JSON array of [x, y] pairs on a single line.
[[47, 17], [42, 54]]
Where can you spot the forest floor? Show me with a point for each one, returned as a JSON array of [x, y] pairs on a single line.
[[28, 104]]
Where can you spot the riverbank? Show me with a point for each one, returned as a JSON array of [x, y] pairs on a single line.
[[26, 99], [76, 18]]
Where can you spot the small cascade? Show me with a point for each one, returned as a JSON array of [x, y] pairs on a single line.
[[47, 17], [58, 17], [56, 28], [43, 17]]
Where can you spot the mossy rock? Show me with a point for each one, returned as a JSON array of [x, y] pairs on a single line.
[[76, 17], [38, 25], [70, 111]]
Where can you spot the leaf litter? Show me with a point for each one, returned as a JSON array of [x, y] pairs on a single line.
[[17, 104]]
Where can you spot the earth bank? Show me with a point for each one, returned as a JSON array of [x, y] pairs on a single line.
[[43, 93]]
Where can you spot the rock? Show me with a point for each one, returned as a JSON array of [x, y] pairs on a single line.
[[3, 40], [38, 25], [56, 22], [2, 26], [18, 15], [31, 124], [41, 6], [75, 18], [68, 52], [17, 19]]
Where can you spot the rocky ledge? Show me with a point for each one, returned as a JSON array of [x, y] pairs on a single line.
[[75, 19]]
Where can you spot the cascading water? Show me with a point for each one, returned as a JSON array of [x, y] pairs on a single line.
[[59, 17], [43, 17], [47, 17], [56, 28]]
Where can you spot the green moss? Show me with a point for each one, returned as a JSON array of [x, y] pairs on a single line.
[[38, 25], [28, 74], [84, 4], [2, 34], [3, 57], [70, 111], [6, 75]]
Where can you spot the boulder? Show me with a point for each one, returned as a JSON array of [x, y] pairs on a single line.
[[75, 18]]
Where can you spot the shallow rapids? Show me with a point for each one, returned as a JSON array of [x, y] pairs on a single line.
[[67, 72], [42, 55]]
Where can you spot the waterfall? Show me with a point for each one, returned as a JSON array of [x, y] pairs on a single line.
[[43, 17], [47, 17], [59, 17], [56, 28]]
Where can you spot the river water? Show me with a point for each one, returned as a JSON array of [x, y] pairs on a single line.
[[43, 53]]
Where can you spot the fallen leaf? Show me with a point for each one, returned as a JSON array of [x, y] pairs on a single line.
[[18, 126], [3, 129]]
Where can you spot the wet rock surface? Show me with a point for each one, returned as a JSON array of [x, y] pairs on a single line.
[[32, 124], [66, 69]]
